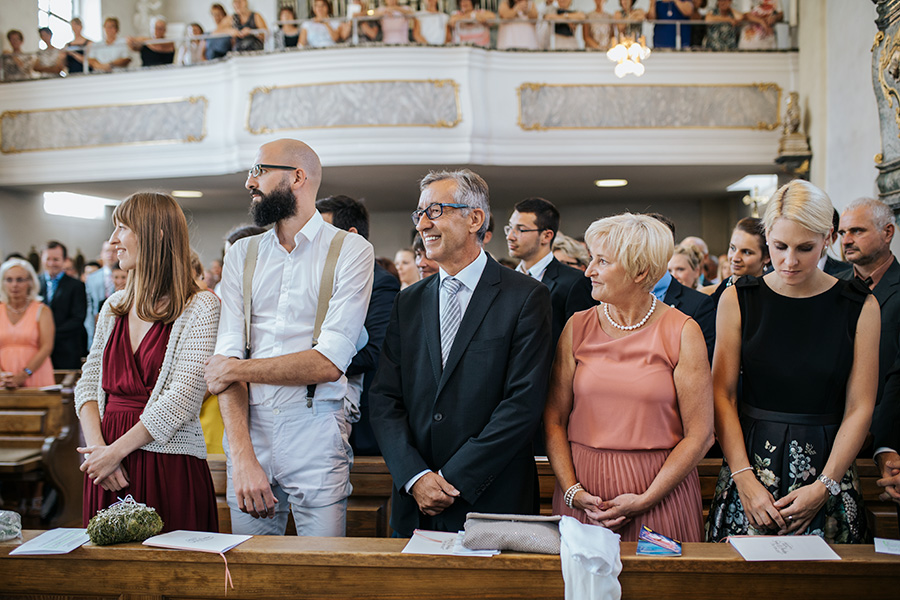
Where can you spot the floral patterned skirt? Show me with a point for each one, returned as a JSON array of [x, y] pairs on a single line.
[[788, 451]]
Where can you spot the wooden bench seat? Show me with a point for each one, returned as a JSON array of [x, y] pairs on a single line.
[[38, 438]]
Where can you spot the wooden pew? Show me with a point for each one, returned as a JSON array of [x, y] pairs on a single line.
[[38, 437], [349, 569], [368, 513]]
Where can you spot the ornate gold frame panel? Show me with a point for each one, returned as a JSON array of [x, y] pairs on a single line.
[[577, 106], [149, 122], [889, 63], [344, 104]]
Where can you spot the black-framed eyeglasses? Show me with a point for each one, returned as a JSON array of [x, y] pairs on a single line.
[[257, 170], [433, 211], [519, 230]]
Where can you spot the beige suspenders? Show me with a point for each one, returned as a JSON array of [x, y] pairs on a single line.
[[326, 287]]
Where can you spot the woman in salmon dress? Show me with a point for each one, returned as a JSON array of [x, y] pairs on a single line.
[[630, 413], [142, 386], [26, 329]]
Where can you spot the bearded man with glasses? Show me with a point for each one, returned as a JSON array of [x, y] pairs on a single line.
[[284, 444]]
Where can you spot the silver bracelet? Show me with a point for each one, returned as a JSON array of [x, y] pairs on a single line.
[[740, 471], [570, 494]]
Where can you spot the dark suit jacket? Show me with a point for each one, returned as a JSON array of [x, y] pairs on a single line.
[[837, 268], [570, 292], [887, 431], [696, 305], [474, 419], [384, 290], [887, 292], [69, 307]]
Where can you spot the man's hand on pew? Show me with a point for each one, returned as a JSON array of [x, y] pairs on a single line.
[[889, 465]]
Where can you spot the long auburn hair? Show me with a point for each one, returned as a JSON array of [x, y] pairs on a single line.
[[162, 282]]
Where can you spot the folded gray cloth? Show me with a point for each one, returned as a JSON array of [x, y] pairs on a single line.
[[522, 533]]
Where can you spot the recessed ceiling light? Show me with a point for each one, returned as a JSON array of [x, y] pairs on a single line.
[[605, 183], [187, 194]]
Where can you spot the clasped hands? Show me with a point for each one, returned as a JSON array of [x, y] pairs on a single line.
[[433, 493], [791, 514], [612, 514], [11, 381], [103, 466], [889, 465]]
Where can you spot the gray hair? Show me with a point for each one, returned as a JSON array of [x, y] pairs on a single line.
[[881, 213], [471, 190], [18, 262]]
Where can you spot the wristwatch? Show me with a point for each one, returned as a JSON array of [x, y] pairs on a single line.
[[28, 371], [834, 488]]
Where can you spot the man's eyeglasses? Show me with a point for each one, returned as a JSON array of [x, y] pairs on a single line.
[[257, 170], [519, 230], [433, 211]]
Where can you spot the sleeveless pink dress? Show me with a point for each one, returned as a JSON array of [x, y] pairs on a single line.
[[625, 422], [20, 342]]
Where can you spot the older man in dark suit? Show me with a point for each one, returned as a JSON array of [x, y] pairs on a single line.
[[529, 237], [462, 378], [867, 228], [68, 301]]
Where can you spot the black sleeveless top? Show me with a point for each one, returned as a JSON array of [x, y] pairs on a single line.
[[796, 353], [250, 42]]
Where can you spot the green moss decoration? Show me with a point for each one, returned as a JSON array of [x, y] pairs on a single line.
[[124, 521]]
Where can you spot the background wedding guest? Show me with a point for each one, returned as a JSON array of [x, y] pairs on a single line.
[[394, 22], [67, 299], [430, 26], [322, 31], [75, 50], [405, 262], [629, 413], [685, 265], [220, 40], [477, 32], [154, 54], [517, 35], [49, 60], [26, 328], [288, 31], [243, 22], [111, 52], [192, 52]]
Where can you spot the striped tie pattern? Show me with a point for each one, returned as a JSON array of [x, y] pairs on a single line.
[[451, 315]]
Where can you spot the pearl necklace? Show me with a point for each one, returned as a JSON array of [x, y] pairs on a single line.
[[636, 325], [16, 311]]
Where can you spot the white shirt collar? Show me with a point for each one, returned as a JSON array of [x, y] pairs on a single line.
[[470, 275], [537, 269], [307, 232]]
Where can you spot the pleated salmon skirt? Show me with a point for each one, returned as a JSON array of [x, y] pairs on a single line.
[[609, 473]]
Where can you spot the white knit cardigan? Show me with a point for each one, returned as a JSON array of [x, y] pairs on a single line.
[[172, 414]]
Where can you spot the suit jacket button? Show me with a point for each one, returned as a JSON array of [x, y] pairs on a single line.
[[438, 416]]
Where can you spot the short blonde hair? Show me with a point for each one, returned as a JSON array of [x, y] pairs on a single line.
[[640, 243], [24, 264], [572, 247], [693, 254], [803, 203]]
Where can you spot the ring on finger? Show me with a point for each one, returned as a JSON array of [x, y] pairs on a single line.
[[790, 517]]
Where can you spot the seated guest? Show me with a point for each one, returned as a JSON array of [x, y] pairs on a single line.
[[140, 393], [790, 442], [244, 21], [110, 53], [722, 28], [425, 265], [50, 60], [759, 31], [476, 33], [394, 22], [430, 26], [194, 51], [16, 65], [629, 13], [154, 54], [629, 412], [365, 30], [219, 43], [75, 49], [685, 265], [598, 34], [288, 34], [519, 35], [665, 36], [322, 31], [26, 328], [564, 33], [570, 252]]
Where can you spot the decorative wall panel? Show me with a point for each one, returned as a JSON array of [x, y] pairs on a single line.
[[579, 106], [395, 103]]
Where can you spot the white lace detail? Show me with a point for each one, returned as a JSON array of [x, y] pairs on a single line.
[[172, 414]]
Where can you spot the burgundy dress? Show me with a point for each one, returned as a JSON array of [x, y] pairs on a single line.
[[178, 486]]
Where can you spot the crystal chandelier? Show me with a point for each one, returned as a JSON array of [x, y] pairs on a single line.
[[628, 54]]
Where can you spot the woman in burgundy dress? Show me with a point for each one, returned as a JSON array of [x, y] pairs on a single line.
[[142, 385]]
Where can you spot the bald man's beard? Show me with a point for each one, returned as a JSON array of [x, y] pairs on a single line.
[[272, 207]]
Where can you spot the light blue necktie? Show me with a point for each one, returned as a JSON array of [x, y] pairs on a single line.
[[451, 315]]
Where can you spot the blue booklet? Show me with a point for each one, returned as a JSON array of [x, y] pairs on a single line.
[[651, 543]]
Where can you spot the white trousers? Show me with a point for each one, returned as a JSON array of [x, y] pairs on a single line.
[[307, 460]]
